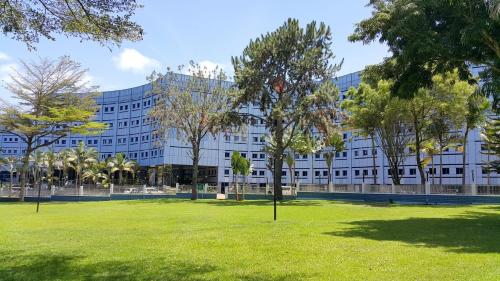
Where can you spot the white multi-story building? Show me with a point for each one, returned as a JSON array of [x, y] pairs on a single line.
[[130, 132]]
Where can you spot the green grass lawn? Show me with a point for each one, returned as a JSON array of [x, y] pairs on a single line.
[[225, 240]]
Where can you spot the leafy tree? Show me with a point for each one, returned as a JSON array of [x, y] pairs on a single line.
[[193, 107], [82, 158], [122, 164], [53, 102], [491, 136], [288, 73], [449, 105], [428, 37], [364, 117], [392, 133], [101, 21], [290, 162], [476, 107], [334, 143], [419, 118]]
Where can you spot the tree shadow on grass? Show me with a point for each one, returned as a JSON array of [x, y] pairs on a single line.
[[47, 267], [473, 232], [66, 267]]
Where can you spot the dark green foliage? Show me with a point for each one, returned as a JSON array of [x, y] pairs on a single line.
[[427, 37], [288, 73], [103, 21]]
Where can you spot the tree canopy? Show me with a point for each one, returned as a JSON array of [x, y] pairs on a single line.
[[427, 37], [103, 21], [53, 101], [287, 74]]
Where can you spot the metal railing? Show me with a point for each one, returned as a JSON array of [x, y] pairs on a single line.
[[410, 189]]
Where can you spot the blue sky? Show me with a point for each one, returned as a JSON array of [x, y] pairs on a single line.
[[209, 32]]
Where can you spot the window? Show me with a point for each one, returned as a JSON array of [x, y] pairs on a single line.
[[254, 172], [355, 153], [374, 152], [374, 172], [244, 155], [283, 173], [459, 171], [344, 154], [227, 138], [325, 173], [317, 173], [254, 155], [261, 173], [432, 171], [236, 138], [255, 139], [227, 154], [365, 172], [296, 173], [262, 156], [365, 152], [344, 136], [356, 172], [344, 173], [304, 156], [226, 172], [317, 155], [304, 173], [337, 173], [413, 171], [446, 171], [401, 171]]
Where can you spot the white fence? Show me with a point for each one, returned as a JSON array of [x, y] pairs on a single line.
[[93, 190]]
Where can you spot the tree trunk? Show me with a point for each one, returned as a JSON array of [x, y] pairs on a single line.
[[11, 180], [236, 195], [196, 160], [278, 159], [120, 177], [432, 168], [374, 160], [464, 154], [440, 165], [24, 170], [418, 158]]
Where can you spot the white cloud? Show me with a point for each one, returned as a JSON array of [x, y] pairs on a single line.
[[4, 56], [133, 60]]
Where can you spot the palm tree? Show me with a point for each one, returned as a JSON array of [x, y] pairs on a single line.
[[334, 143], [81, 158], [37, 162], [49, 160], [63, 165], [11, 163], [109, 165], [122, 164], [95, 175], [431, 148]]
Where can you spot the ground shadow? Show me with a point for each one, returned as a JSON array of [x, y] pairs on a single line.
[[48, 267], [473, 232], [66, 267]]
